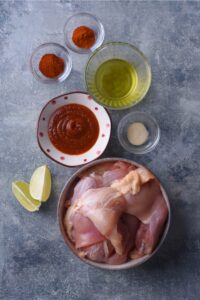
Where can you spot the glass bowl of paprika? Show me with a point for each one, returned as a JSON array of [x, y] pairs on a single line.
[[83, 33], [50, 63]]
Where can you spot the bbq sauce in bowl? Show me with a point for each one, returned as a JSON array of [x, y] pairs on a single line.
[[73, 129]]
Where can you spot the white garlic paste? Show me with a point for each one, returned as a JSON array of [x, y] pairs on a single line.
[[137, 133]]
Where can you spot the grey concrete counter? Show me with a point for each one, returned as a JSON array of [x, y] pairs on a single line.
[[34, 261]]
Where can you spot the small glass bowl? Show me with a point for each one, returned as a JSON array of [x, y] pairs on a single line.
[[128, 53], [151, 126], [83, 19], [52, 48]]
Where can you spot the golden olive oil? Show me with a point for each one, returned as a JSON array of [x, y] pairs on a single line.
[[116, 79]]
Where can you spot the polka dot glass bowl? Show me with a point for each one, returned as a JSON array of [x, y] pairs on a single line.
[[83, 19], [93, 153]]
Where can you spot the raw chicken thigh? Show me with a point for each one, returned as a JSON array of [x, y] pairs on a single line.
[[117, 212]]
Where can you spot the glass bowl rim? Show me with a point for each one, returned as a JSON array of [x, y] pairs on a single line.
[[100, 25], [153, 144], [135, 49], [50, 80]]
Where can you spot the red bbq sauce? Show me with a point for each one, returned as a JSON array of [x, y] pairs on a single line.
[[73, 129]]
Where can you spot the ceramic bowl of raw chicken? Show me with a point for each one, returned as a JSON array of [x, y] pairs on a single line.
[[113, 214]]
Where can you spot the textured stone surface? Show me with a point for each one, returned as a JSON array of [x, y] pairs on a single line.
[[34, 261]]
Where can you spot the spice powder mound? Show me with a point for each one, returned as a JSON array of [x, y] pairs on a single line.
[[83, 37], [51, 65]]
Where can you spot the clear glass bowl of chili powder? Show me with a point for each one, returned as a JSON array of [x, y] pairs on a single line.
[[83, 33], [50, 63]]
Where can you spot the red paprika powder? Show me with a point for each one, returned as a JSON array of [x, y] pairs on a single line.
[[51, 65], [83, 37]]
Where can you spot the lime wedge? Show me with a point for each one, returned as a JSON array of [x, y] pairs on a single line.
[[40, 184], [21, 191]]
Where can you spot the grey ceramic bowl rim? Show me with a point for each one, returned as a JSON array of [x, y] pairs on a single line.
[[60, 208], [135, 49], [50, 80]]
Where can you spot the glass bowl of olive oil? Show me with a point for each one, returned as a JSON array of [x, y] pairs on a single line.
[[118, 75]]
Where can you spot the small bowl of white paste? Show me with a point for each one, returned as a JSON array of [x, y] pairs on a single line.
[[138, 132]]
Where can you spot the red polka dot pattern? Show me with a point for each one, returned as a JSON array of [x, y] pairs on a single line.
[[104, 129]]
